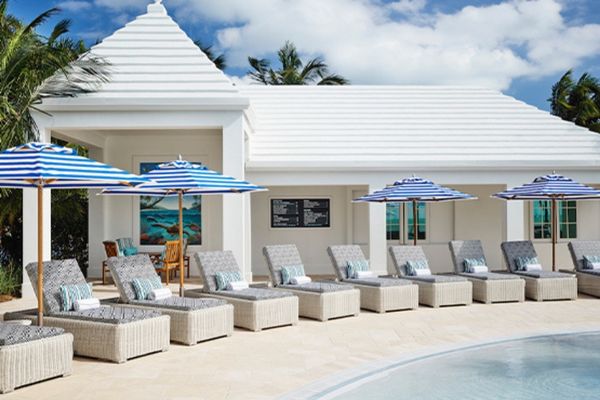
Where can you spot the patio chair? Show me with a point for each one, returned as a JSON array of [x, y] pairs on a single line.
[[253, 308], [434, 290], [588, 280], [539, 285], [488, 287], [168, 262], [112, 250], [317, 300], [126, 246], [192, 320], [109, 332], [376, 294], [30, 354]]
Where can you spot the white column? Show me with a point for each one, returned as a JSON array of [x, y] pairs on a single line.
[[377, 240], [515, 220], [96, 223], [236, 206]]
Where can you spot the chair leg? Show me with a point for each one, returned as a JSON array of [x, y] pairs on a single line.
[[103, 273]]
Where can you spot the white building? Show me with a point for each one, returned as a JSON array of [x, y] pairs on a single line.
[[166, 98]]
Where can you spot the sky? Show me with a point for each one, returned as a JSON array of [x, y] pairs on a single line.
[[520, 47]]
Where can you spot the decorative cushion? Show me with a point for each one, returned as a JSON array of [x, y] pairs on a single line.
[[237, 285], [591, 262], [224, 277], [354, 266], [469, 263], [522, 262], [291, 271], [70, 293], [130, 251], [412, 266], [144, 286], [533, 267]]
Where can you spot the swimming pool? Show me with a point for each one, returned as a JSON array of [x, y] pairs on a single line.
[[542, 368]]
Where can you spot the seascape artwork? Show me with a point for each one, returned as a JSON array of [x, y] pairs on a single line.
[[159, 216]]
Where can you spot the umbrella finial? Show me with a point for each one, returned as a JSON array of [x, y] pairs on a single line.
[[180, 158]]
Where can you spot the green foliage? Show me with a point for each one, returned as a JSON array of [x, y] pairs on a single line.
[[293, 71], [577, 101], [220, 60], [10, 280]]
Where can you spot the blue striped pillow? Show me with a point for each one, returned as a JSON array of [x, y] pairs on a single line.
[[224, 277], [413, 265], [288, 272], [469, 263], [589, 261], [354, 266], [70, 293], [144, 286], [522, 262]]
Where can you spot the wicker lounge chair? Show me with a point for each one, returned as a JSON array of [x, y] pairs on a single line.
[[588, 280], [434, 290], [30, 354], [254, 308], [318, 300], [488, 287], [376, 294], [109, 333], [539, 285], [192, 320]]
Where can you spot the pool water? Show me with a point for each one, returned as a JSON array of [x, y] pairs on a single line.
[[543, 368]]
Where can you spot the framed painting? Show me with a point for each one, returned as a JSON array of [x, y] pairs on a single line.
[[159, 216]]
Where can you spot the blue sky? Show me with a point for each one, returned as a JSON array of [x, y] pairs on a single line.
[[518, 46]]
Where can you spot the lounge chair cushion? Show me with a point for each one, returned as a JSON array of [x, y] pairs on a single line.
[[254, 294], [288, 272], [110, 314], [210, 262], [591, 262], [277, 257], [515, 249], [591, 271], [401, 255], [438, 278], [181, 303], [490, 276], [341, 254], [581, 248], [356, 266], [125, 269], [543, 274], [319, 287], [144, 286], [522, 262], [15, 334], [71, 293], [379, 282], [223, 278], [471, 263]]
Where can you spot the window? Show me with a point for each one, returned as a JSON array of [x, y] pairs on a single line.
[[397, 212], [566, 215]]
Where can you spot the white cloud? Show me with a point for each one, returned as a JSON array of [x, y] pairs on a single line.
[[120, 5], [74, 5], [368, 41]]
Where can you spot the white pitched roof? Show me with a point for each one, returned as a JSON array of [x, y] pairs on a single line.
[[385, 127], [152, 60]]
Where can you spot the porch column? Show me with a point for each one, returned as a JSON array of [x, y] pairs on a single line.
[[96, 224], [377, 238], [236, 227]]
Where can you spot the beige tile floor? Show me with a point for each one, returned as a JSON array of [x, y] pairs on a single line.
[[268, 364]]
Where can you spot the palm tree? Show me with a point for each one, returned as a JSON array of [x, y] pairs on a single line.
[[220, 60], [293, 70], [578, 102]]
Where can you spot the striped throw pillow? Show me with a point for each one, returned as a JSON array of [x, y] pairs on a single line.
[[413, 265], [224, 277], [522, 262], [591, 262], [144, 286], [289, 272], [70, 293], [469, 263], [354, 266]]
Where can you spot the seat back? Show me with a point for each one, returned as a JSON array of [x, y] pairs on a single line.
[[462, 249], [402, 254], [581, 248], [515, 249], [341, 254], [125, 269], [279, 256], [111, 248], [171, 253], [211, 262], [124, 243]]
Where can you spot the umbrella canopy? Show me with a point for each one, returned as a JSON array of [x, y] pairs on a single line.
[[551, 187], [49, 166], [183, 178], [414, 190]]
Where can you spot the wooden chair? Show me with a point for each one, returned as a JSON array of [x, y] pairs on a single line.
[[169, 260], [186, 260], [112, 250]]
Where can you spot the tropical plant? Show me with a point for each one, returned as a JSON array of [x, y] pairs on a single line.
[[292, 70], [220, 60], [10, 280], [577, 101]]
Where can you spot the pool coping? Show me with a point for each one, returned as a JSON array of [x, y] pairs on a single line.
[[343, 381]]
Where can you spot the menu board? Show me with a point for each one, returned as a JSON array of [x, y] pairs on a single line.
[[300, 213]]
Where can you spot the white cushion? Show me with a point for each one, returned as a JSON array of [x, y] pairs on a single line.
[[364, 274], [479, 269], [533, 267], [160, 294], [422, 272], [86, 304], [300, 280], [237, 285]]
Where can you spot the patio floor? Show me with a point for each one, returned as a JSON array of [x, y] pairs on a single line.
[[268, 364]]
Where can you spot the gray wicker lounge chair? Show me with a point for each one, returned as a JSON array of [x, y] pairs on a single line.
[[253, 308], [376, 294], [30, 354], [192, 320], [488, 287], [588, 280], [109, 333], [318, 300], [434, 290], [539, 285]]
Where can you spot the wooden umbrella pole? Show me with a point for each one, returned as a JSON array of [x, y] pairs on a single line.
[[553, 216], [181, 288], [40, 255], [414, 202]]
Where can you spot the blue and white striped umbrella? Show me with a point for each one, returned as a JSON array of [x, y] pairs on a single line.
[[414, 190], [183, 178], [552, 187], [49, 166]]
